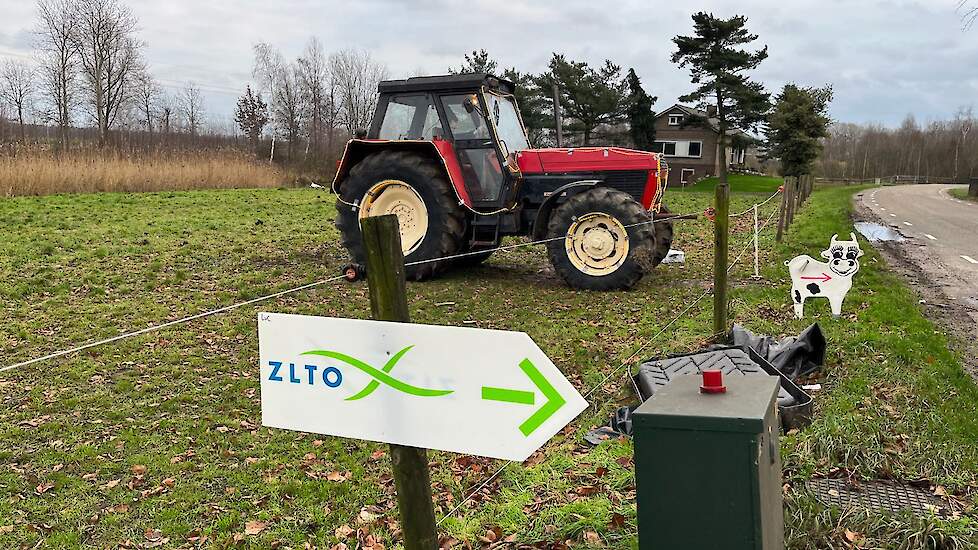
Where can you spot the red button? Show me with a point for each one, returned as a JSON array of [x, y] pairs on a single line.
[[713, 382]]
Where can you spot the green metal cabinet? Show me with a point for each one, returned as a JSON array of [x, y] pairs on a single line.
[[708, 467]]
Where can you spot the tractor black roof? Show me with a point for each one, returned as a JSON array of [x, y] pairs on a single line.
[[452, 82]]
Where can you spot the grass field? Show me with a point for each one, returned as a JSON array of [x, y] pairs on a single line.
[[962, 193], [739, 183], [42, 173], [156, 441]]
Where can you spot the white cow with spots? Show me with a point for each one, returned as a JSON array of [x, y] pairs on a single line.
[[832, 280]]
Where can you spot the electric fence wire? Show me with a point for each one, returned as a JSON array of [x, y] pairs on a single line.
[[758, 205], [485, 483], [307, 286]]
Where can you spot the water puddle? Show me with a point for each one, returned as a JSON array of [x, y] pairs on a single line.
[[875, 232]]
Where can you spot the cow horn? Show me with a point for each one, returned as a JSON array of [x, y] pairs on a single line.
[[835, 238], [852, 236]]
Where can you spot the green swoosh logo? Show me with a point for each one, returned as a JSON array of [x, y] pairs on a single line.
[[379, 376]]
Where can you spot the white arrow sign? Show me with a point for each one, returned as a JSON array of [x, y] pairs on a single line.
[[483, 392]]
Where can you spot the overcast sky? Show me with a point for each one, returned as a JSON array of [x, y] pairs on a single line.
[[885, 58]]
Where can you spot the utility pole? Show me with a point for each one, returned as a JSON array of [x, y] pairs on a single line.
[[388, 302], [557, 117]]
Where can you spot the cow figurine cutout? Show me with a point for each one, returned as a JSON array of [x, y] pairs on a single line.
[[832, 280]]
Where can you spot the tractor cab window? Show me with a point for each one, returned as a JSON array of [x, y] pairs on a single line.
[[410, 117], [465, 120], [503, 114]]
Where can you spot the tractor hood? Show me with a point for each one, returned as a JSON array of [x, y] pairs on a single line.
[[585, 159]]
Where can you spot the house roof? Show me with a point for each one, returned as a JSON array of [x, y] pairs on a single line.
[[714, 122]]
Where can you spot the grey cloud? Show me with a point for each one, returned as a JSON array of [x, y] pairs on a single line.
[[885, 57]]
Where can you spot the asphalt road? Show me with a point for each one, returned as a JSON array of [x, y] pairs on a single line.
[[942, 234]]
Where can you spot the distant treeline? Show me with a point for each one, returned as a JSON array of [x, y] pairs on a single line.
[[946, 149]]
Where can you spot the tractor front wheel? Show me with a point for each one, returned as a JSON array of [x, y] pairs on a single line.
[[602, 240], [416, 190]]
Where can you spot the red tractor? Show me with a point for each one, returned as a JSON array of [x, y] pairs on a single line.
[[450, 157]]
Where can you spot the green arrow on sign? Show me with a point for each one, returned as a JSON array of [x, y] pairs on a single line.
[[554, 400]]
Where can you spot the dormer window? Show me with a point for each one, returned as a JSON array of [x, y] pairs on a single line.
[[675, 120]]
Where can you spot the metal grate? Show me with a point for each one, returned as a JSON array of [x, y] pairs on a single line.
[[629, 181], [885, 496]]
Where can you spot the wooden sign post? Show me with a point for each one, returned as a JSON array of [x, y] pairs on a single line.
[[388, 302]]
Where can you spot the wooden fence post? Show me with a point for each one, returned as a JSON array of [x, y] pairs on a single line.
[[721, 226], [791, 192], [388, 302], [782, 211]]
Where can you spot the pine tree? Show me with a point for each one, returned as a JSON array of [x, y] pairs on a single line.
[[796, 126], [591, 97], [641, 117], [717, 66], [476, 62], [251, 114]]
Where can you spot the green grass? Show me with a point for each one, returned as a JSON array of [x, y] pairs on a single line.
[[962, 193], [184, 402], [739, 183]]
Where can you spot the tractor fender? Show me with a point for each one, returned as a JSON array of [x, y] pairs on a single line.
[[439, 149], [555, 198]]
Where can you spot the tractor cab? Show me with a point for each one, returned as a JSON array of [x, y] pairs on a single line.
[[476, 119]]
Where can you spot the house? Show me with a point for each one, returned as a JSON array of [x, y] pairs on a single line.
[[692, 150]]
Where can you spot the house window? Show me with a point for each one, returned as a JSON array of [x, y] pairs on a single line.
[[696, 149], [669, 148], [687, 175], [675, 120]]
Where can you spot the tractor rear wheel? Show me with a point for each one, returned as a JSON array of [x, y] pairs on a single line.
[[415, 189], [663, 237], [603, 240]]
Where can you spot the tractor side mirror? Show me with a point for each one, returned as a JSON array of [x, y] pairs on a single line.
[[471, 103]]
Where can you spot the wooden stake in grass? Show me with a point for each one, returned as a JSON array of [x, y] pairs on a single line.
[[388, 302], [782, 210], [721, 225], [791, 190]]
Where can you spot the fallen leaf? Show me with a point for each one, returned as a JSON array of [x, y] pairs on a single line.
[[317, 443], [617, 521], [336, 476], [940, 491], [153, 534], [89, 477], [44, 487], [833, 492], [343, 531], [112, 483], [223, 429], [593, 538], [255, 527], [5, 529], [139, 469]]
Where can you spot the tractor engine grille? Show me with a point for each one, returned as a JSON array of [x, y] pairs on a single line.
[[628, 181]]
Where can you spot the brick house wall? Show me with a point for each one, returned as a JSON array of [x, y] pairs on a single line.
[[680, 145]]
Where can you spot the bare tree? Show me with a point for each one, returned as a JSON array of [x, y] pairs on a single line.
[[356, 75], [318, 103], [968, 13], [165, 113], [17, 90], [279, 78], [59, 60], [110, 58], [147, 95], [192, 108]]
